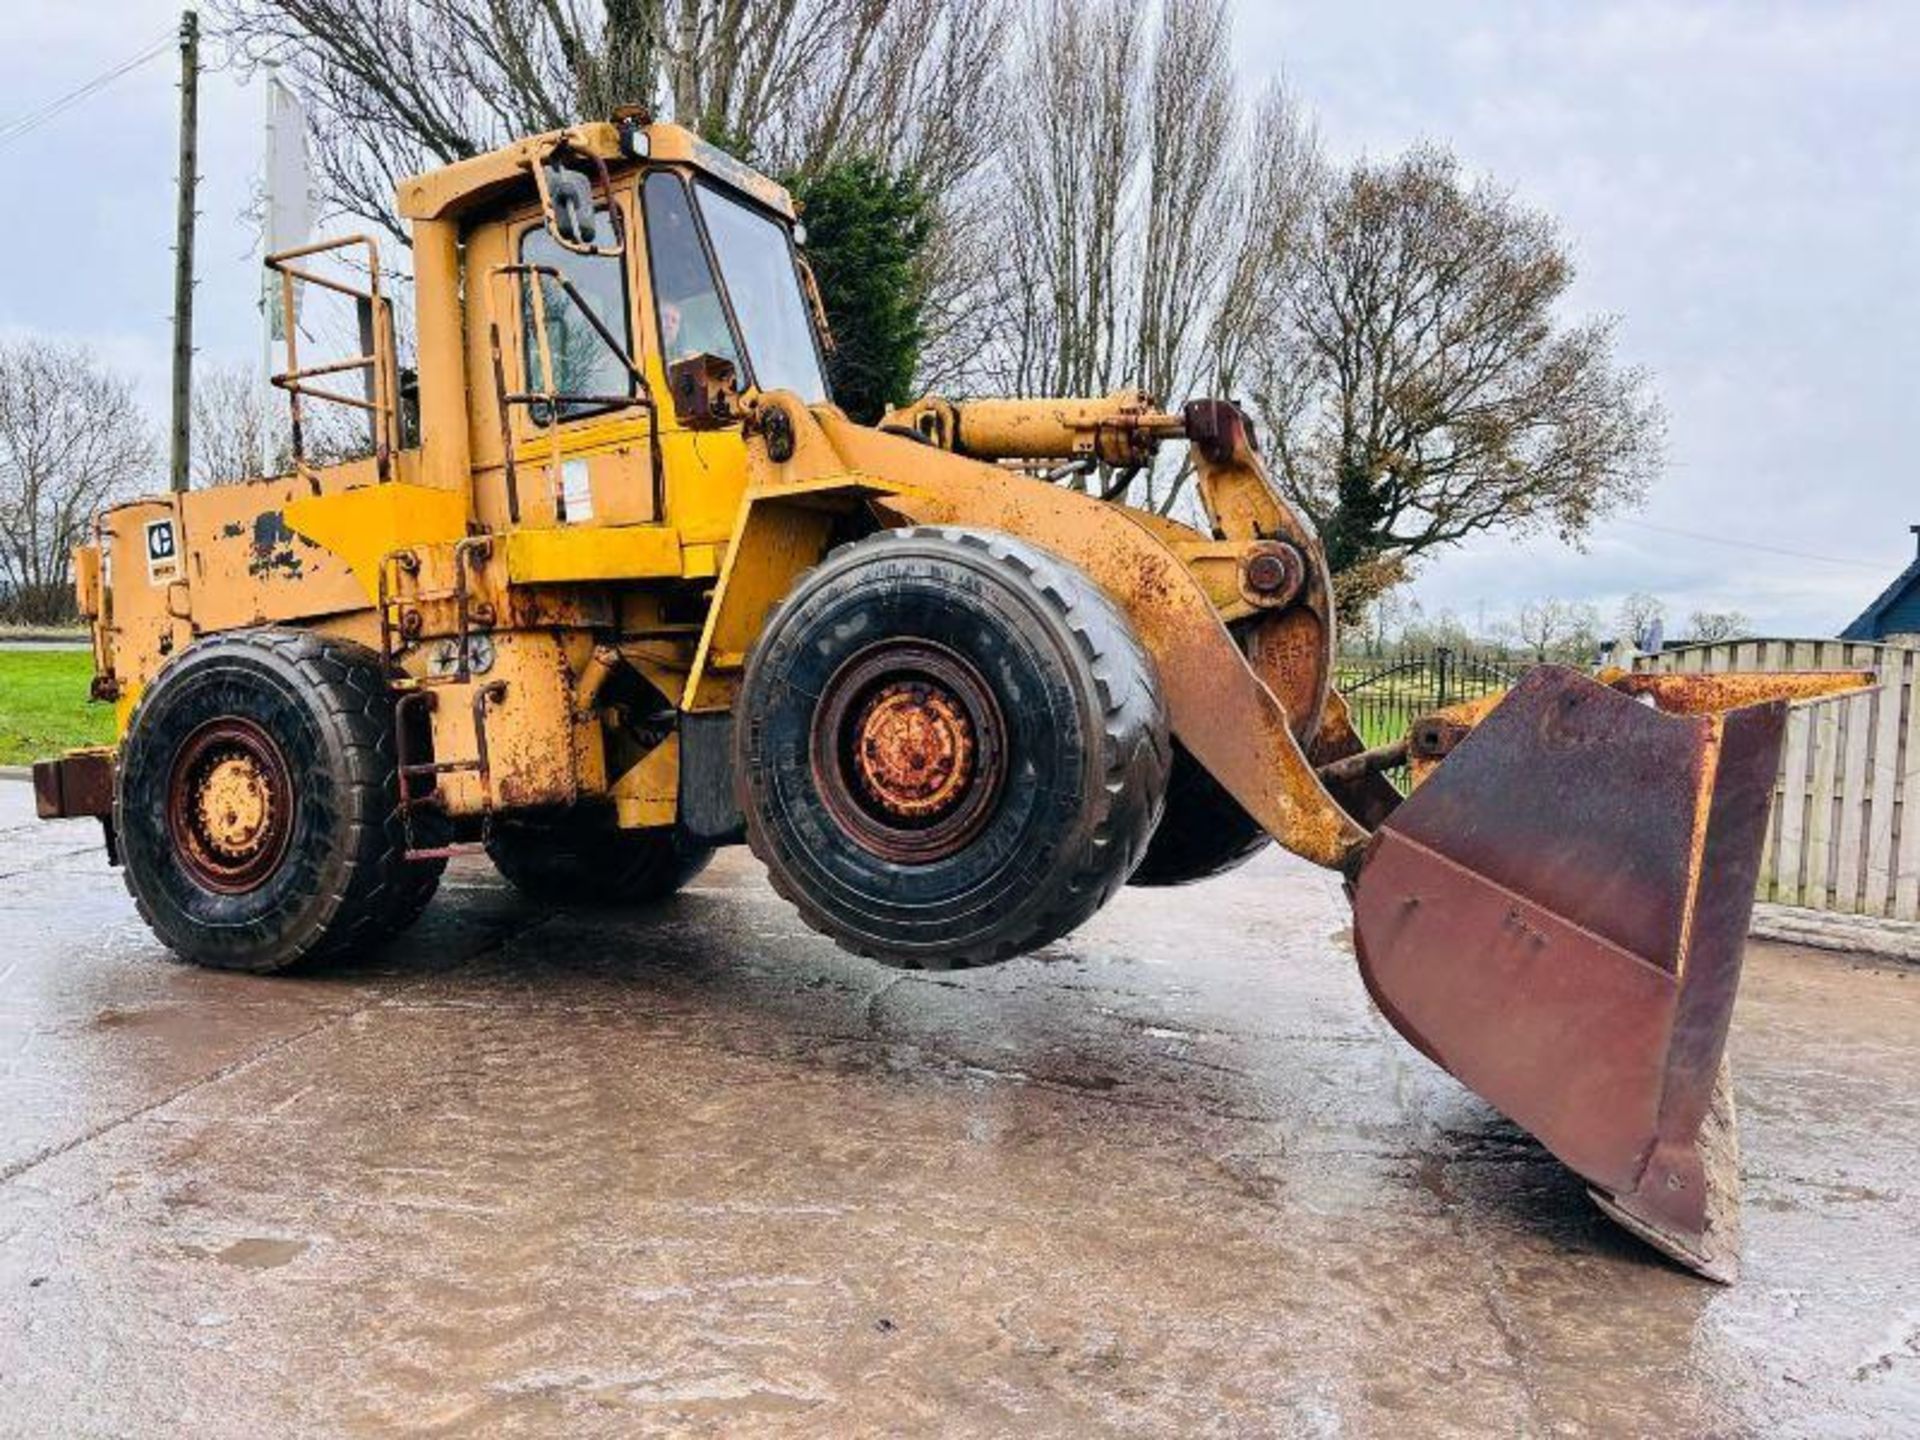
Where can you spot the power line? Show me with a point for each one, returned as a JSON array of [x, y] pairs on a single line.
[[24, 124], [1747, 545]]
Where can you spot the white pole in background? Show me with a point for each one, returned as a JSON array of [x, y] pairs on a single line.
[[267, 309]]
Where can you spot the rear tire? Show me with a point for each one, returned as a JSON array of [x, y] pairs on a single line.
[[256, 801], [582, 860], [950, 749], [1205, 831]]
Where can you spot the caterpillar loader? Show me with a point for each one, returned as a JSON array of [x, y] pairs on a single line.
[[615, 583]]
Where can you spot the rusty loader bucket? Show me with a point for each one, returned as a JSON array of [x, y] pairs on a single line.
[[1556, 916]]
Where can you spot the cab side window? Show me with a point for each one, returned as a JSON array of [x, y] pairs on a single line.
[[693, 318], [590, 374]]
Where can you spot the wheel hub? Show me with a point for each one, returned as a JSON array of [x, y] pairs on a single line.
[[235, 806], [229, 805], [914, 749], [909, 751]]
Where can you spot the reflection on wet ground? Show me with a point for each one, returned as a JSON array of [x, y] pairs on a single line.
[[695, 1170]]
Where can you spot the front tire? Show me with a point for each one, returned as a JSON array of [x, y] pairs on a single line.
[[256, 801], [950, 749]]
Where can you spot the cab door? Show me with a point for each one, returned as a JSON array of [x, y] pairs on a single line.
[[572, 427]]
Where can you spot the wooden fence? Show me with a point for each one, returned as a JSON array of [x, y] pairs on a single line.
[[1845, 832]]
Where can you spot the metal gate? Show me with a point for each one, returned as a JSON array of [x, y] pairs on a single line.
[[1387, 694]]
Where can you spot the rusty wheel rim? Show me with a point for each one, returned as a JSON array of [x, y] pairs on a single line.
[[230, 805], [909, 751]]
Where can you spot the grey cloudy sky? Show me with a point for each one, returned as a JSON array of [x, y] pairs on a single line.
[[1740, 182]]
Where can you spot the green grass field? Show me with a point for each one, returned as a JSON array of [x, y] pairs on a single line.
[[44, 707]]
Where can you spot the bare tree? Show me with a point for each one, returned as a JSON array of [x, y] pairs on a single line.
[[1142, 232], [401, 86], [1557, 629], [1386, 620], [239, 430], [1073, 148], [1192, 185], [242, 429], [1432, 632], [1638, 616], [72, 438], [1704, 627], [1281, 173], [1423, 387]]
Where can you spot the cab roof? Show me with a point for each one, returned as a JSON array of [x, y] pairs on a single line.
[[456, 189]]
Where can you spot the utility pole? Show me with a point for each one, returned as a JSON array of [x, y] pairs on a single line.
[[183, 246]]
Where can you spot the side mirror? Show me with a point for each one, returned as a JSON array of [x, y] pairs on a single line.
[[706, 392], [571, 194]]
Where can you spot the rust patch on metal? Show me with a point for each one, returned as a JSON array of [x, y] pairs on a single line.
[[230, 805], [1369, 798], [78, 783], [1433, 737], [1710, 694], [1272, 574], [1557, 918], [909, 751], [913, 749]]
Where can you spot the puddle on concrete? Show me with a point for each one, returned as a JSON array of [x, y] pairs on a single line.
[[260, 1253]]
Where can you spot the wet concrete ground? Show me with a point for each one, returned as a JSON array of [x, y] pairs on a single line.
[[696, 1171]]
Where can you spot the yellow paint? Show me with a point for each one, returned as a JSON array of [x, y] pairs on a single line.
[[778, 541], [86, 579], [452, 189], [592, 436], [706, 477], [446, 460], [702, 562], [625, 552], [782, 531], [124, 707], [365, 526], [447, 192], [649, 794]]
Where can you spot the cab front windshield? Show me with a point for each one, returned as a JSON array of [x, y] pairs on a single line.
[[753, 313]]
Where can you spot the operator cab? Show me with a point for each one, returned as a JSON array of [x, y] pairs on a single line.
[[633, 282], [615, 274], [717, 284]]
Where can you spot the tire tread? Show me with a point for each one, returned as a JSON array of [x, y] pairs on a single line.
[[1138, 748]]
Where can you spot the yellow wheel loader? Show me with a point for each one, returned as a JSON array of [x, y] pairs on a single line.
[[615, 583]]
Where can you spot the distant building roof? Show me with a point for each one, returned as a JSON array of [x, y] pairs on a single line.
[[1896, 611]]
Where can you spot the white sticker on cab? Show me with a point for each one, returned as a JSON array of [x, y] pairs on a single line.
[[576, 493]]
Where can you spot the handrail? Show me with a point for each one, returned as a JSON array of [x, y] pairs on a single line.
[[377, 362], [549, 395]]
